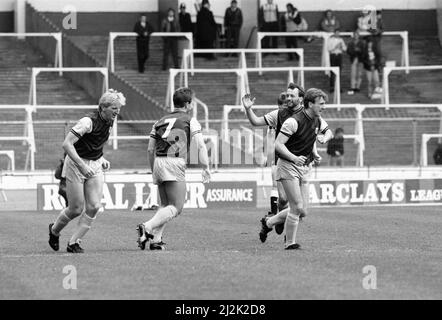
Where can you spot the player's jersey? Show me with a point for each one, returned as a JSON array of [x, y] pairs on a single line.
[[173, 134], [93, 132], [276, 118], [301, 141]]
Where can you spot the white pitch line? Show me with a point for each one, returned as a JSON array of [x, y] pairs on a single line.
[[56, 255]]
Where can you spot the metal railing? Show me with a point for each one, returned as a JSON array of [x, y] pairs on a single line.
[[325, 59], [110, 60], [388, 70], [58, 57]]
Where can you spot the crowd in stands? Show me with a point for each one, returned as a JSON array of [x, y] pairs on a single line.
[[363, 51]]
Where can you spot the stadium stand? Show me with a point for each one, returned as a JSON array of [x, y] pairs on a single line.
[[150, 89]]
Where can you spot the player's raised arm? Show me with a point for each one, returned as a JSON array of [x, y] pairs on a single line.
[[289, 128], [248, 102]]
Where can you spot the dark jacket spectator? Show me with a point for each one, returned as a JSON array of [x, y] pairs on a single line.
[[206, 29], [330, 23], [143, 29], [437, 156], [335, 148], [232, 23], [185, 20], [356, 47], [170, 24]]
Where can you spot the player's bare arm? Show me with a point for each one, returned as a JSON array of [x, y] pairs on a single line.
[[203, 156], [316, 157], [326, 137], [151, 152], [248, 102], [68, 146], [282, 150]]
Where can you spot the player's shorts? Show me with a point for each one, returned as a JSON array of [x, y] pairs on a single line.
[[287, 170], [73, 173], [168, 169]]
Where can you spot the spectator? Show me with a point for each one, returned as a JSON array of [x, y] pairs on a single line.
[[335, 149], [330, 23], [290, 23], [184, 18], [367, 20], [335, 46], [372, 66], [376, 32], [268, 22], [293, 22], [232, 24], [355, 50], [170, 24], [143, 29], [206, 29], [437, 156]]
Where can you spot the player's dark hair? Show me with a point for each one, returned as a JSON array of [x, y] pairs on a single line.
[[282, 98], [339, 130], [293, 86], [182, 96], [312, 94]]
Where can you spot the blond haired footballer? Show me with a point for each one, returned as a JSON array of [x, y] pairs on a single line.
[[83, 169]]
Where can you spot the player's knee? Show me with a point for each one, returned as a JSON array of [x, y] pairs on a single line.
[[300, 212], [93, 208], [75, 210]]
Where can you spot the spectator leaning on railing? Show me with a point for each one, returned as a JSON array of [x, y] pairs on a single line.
[[376, 31], [170, 24], [355, 50], [232, 23], [330, 23]]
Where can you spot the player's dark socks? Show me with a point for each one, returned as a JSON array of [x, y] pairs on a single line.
[[157, 246], [274, 205], [264, 230], [74, 248], [279, 228], [54, 241], [293, 247]]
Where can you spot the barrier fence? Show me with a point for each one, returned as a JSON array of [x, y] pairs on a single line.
[[325, 60], [58, 56], [110, 60]]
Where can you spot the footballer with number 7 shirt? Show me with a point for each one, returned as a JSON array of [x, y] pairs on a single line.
[[168, 149]]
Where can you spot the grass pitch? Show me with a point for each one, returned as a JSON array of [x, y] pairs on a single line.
[[216, 254]]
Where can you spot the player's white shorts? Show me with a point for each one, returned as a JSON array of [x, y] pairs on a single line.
[[287, 170], [168, 169], [73, 173]]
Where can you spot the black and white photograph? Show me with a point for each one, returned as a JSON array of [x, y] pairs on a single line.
[[220, 156]]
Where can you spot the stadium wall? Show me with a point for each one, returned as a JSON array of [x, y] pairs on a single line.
[[7, 16], [232, 189]]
